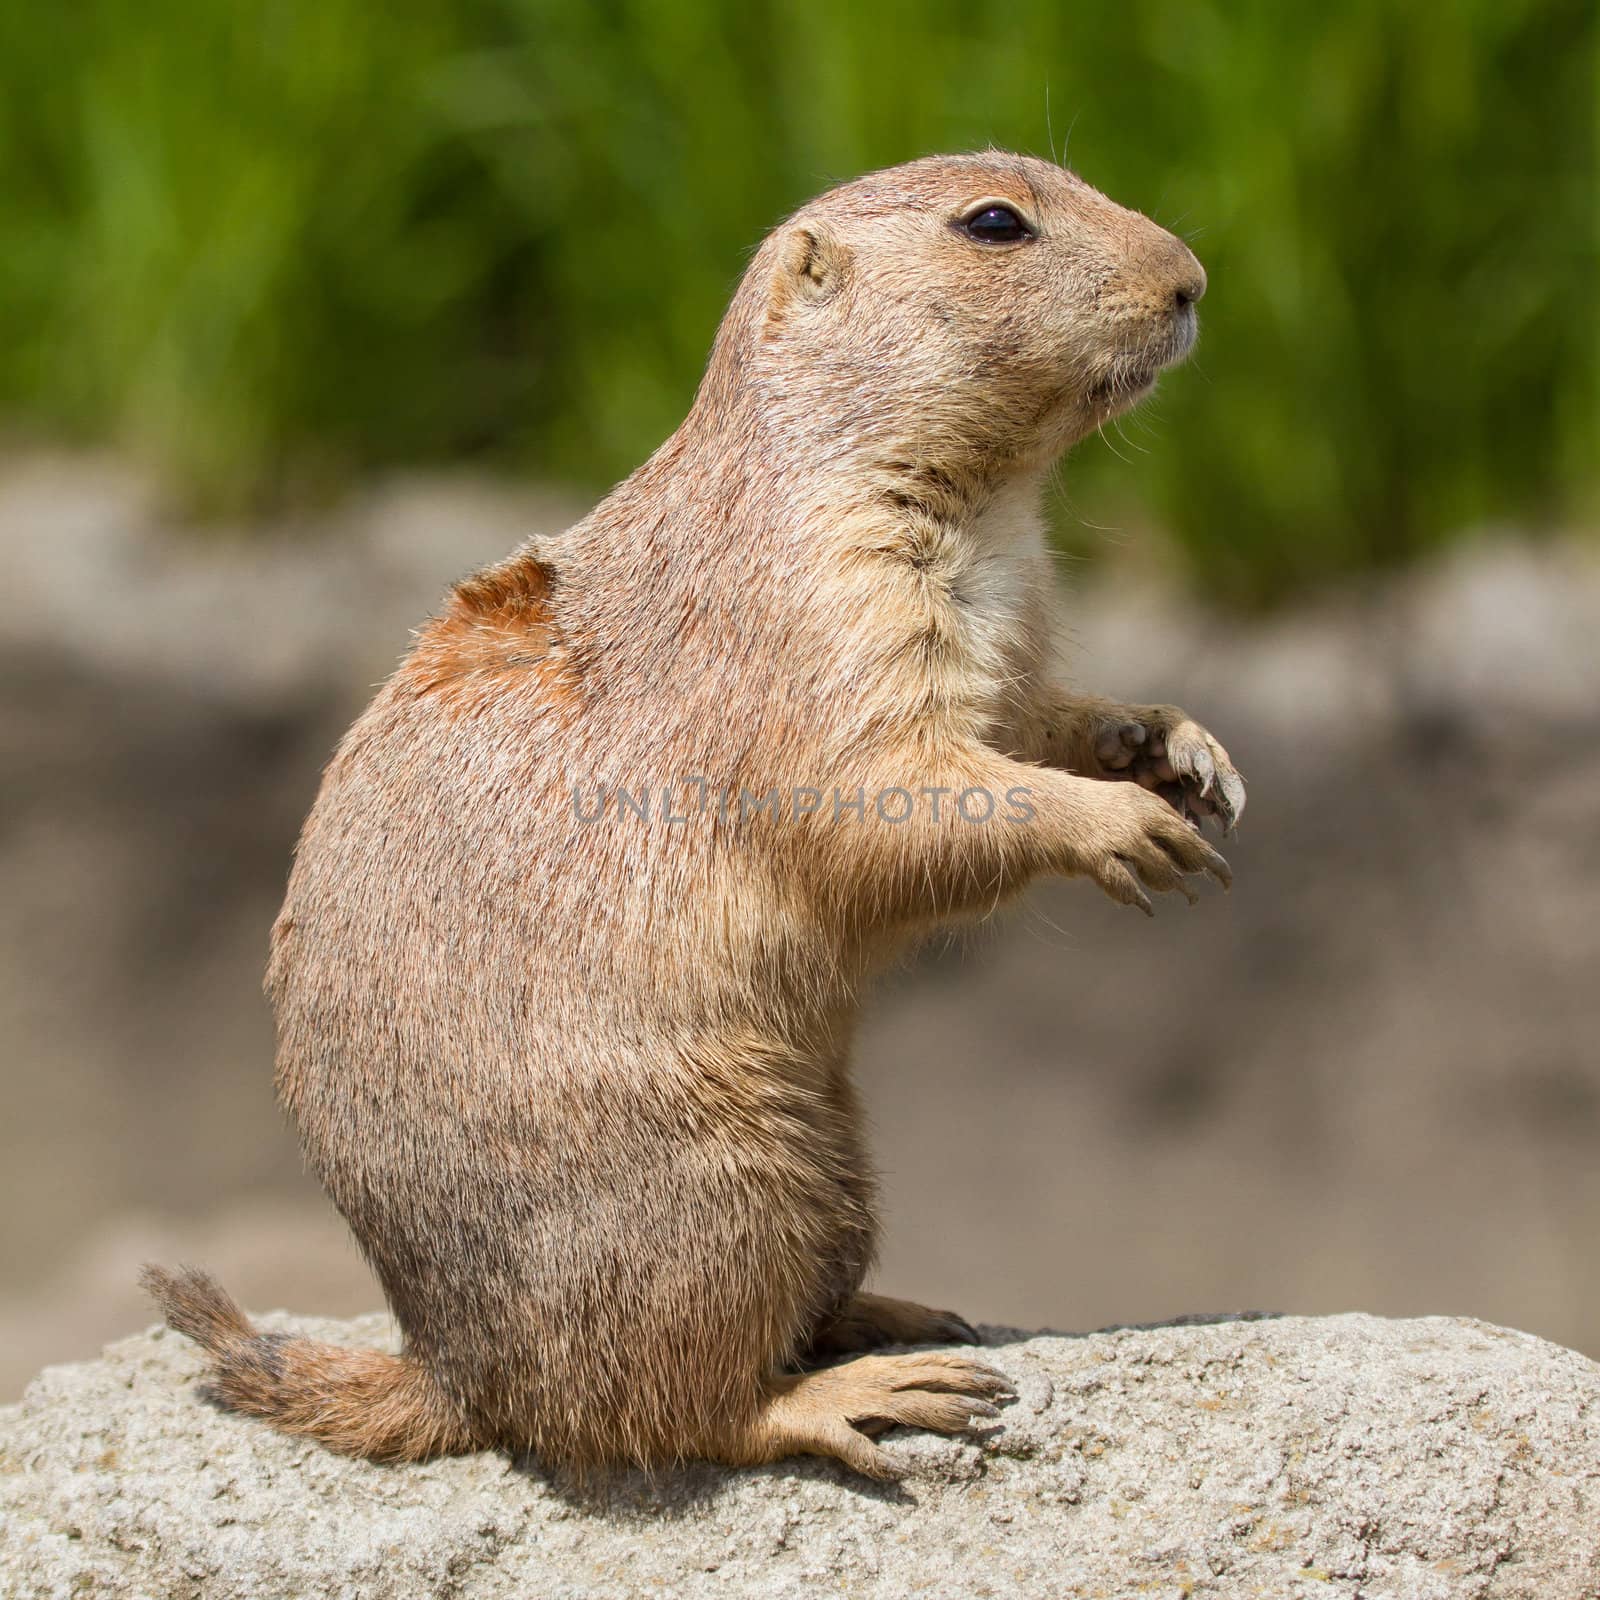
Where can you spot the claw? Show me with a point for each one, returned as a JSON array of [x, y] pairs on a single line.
[[995, 1384], [981, 1408], [1231, 797], [1218, 867]]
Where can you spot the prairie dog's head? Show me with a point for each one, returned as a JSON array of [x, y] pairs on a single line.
[[962, 307]]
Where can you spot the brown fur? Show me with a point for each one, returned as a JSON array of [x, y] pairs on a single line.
[[358, 1402], [582, 1088]]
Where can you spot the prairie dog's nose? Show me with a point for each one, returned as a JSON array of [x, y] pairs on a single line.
[[1191, 286], [1152, 273], [1159, 273], [1165, 270], [1182, 272]]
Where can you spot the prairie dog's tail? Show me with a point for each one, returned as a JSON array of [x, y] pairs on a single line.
[[358, 1402]]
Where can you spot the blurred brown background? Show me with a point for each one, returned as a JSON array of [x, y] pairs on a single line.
[[1367, 1078]]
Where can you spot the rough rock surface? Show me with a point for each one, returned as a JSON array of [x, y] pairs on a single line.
[[1436, 1459]]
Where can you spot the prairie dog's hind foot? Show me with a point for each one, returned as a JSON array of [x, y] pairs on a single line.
[[840, 1410], [868, 1321]]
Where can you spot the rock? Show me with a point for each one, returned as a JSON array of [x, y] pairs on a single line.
[[1436, 1459]]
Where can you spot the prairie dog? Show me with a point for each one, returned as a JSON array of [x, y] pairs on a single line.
[[569, 964]]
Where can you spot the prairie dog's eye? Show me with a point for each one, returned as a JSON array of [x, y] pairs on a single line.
[[996, 225]]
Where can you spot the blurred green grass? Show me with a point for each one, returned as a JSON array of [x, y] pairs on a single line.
[[270, 245]]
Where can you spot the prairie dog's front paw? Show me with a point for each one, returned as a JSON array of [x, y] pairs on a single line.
[[1164, 749], [1134, 840]]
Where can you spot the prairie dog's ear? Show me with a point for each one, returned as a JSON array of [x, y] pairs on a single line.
[[811, 265]]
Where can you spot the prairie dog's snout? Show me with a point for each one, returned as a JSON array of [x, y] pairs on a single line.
[[1146, 307], [1158, 282], [1176, 278]]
